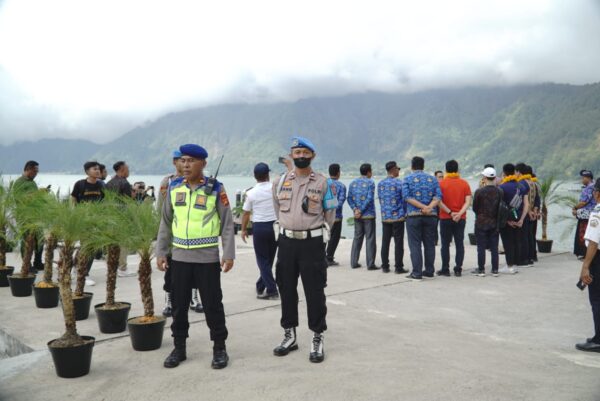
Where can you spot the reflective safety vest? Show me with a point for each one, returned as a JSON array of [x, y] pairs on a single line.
[[196, 223]]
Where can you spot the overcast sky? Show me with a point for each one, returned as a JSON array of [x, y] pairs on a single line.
[[94, 69]]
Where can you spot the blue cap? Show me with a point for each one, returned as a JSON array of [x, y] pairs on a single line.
[[300, 142], [176, 154], [193, 150], [261, 168]]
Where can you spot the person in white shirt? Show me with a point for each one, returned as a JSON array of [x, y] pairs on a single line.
[[259, 205]]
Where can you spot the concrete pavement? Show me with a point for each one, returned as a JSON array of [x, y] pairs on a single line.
[[505, 338]]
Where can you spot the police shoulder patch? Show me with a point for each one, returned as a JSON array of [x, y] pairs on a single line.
[[594, 222], [224, 198]]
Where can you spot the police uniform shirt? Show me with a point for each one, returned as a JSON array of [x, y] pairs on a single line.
[[197, 255], [592, 232], [288, 198]]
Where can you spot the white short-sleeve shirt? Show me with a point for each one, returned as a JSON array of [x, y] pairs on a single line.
[[592, 232], [259, 201]]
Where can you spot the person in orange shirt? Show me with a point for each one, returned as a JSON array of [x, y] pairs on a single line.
[[456, 199]]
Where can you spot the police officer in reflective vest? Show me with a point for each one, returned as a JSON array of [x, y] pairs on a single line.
[[193, 216], [302, 205]]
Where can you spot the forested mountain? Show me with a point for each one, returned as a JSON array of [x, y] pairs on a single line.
[[556, 128]]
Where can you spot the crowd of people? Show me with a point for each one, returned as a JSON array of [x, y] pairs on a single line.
[[297, 222]]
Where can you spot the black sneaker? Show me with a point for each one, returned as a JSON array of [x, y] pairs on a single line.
[[175, 357], [478, 272], [288, 343], [385, 269], [588, 346], [428, 275], [332, 263], [443, 272], [411, 276], [267, 296], [356, 266], [400, 270], [373, 268], [220, 358], [495, 273], [457, 273]]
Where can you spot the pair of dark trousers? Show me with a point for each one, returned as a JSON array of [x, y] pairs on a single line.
[[304, 258], [510, 237], [265, 248], [579, 248], [334, 240], [487, 239], [392, 230], [594, 293], [523, 243], [421, 231], [207, 278], [533, 240], [450, 229], [364, 229]]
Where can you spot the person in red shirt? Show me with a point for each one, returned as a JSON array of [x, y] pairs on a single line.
[[456, 199]]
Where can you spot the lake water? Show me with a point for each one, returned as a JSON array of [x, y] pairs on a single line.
[[560, 226]]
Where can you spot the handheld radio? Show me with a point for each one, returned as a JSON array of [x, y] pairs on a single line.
[[210, 183]]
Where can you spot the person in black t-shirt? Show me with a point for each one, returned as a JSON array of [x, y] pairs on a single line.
[[90, 189]]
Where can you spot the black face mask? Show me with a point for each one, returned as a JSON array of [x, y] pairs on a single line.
[[302, 162]]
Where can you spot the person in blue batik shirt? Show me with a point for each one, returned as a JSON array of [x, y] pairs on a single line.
[[361, 198], [582, 212], [336, 230], [422, 194], [393, 210]]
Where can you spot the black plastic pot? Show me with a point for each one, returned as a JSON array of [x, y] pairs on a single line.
[[21, 286], [82, 306], [7, 271], [112, 320], [472, 239], [73, 361], [544, 246], [146, 336], [46, 297]]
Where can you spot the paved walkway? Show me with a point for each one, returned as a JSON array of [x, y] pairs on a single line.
[[469, 338]]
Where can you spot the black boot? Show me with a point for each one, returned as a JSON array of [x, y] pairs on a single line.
[[177, 355], [220, 357], [317, 353], [288, 344]]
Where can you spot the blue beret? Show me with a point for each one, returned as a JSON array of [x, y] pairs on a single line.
[[300, 142], [196, 151], [176, 154]]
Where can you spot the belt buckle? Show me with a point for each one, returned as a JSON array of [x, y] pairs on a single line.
[[299, 234]]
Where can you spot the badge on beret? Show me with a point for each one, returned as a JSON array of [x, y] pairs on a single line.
[[295, 142], [287, 184], [224, 198], [594, 223]]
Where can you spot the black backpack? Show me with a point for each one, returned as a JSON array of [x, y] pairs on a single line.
[[504, 211]]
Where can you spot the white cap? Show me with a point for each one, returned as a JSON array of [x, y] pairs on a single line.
[[489, 172]]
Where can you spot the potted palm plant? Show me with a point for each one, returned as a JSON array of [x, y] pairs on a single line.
[[5, 225], [28, 226], [141, 226], [548, 197], [71, 353], [108, 233]]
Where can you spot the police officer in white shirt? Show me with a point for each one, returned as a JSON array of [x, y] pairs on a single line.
[[590, 272], [259, 206]]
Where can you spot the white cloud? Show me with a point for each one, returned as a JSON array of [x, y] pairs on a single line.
[[79, 68]]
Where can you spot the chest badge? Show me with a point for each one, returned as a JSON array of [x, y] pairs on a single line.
[[180, 199], [200, 202]]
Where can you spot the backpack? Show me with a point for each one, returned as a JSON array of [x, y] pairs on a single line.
[[504, 211]]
